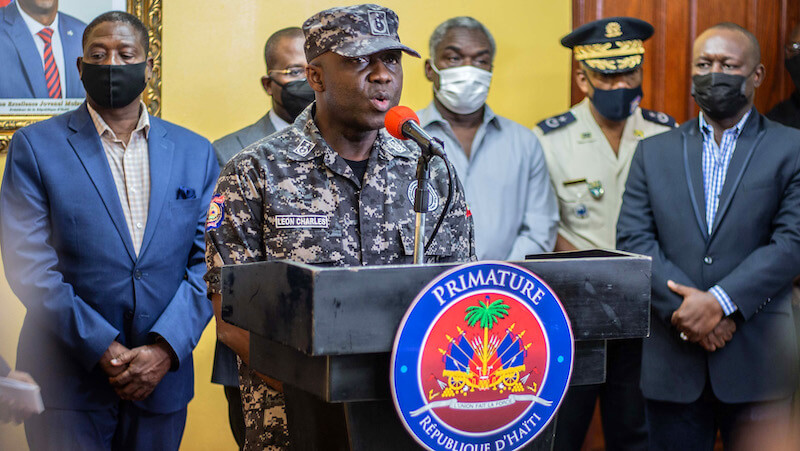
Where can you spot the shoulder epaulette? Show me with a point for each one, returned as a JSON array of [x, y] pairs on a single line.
[[659, 118], [556, 122]]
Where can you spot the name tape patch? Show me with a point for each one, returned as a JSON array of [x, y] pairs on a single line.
[[301, 221]]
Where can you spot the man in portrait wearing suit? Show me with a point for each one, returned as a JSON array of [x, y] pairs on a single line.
[[716, 204], [38, 50], [102, 239], [285, 82]]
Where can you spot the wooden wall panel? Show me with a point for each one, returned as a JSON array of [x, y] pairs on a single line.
[[667, 79]]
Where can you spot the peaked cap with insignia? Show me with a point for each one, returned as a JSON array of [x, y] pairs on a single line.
[[610, 46], [353, 31]]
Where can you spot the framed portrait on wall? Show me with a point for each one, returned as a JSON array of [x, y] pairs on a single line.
[[40, 42]]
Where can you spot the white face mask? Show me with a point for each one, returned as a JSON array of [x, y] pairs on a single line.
[[462, 89]]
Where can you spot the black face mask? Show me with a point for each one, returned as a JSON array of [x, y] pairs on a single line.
[[793, 66], [719, 95], [616, 104], [114, 86], [295, 96]]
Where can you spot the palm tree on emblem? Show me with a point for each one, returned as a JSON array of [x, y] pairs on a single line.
[[487, 315]]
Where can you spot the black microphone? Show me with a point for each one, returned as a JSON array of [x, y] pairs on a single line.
[[402, 123]]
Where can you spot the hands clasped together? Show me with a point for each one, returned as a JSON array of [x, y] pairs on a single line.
[[700, 318], [134, 373]]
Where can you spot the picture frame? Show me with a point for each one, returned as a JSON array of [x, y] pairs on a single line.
[[149, 12]]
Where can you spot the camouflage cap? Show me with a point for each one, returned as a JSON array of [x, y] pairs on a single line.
[[353, 31]]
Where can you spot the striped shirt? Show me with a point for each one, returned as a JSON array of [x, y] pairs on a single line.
[[130, 165], [716, 159]]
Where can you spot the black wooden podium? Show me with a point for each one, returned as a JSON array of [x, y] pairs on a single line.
[[327, 334]]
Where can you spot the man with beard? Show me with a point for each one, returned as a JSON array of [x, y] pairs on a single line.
[[102, 240], [499, 162], [285, 82], [38, 50], [336, 166], [589, 150], [716, 204]]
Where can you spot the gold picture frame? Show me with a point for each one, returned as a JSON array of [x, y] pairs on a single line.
[[149, 12]]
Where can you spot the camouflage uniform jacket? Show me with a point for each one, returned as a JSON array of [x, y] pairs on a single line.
[[291, 196]]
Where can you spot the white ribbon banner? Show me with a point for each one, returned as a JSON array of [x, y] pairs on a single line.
[[455, 404]]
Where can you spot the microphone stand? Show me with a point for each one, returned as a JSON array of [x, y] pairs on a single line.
[[421, 194]]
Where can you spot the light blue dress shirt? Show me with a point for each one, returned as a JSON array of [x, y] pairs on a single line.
[[716, 159], [507, 185]]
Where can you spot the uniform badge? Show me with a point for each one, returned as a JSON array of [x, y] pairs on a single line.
[[581, 211], [216, 212], [304, 148], [613, 30], [482, 359], [586, 135], [433, 198], [378, 24], [639, 134], [596, 189]]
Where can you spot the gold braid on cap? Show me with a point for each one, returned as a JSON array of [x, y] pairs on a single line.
[[609, 49], [624, 63]]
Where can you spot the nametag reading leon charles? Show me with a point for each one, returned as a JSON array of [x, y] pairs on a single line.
[[301, 221]]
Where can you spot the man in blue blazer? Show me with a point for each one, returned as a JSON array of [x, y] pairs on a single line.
[[103, 213], [22, 74], [716, 204]]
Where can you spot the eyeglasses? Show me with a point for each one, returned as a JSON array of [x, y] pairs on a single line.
[[793, 49], [292, 72]]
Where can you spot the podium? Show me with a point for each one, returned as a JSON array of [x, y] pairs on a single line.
[[327, 334]]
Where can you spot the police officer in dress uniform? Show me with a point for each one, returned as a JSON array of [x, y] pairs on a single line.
[[588, 151], [333, 188]]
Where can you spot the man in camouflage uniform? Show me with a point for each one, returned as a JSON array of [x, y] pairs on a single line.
[[588, 151], [332, 189]]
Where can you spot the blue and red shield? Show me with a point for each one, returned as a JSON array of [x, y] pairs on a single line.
[[482, 359]]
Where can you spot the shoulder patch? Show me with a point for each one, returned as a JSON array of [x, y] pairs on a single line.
[[216, 212], [556, 122], [658, 117]]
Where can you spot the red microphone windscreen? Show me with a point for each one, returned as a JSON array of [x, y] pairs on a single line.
[[396, 117]]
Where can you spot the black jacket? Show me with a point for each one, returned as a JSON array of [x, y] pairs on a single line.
[[787, 112], [752, 252]]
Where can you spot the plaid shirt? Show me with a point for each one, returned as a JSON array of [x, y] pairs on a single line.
[[716, 159], [130, 165]]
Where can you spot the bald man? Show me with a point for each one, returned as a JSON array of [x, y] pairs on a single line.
[[716, 204]]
